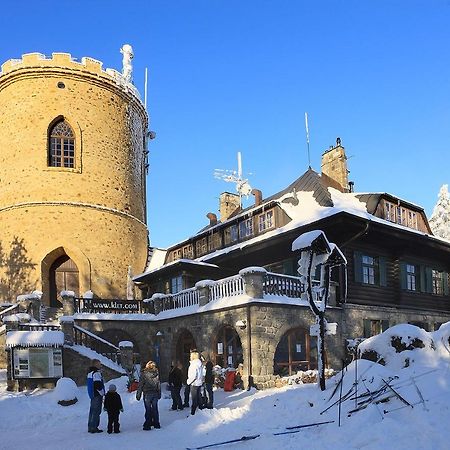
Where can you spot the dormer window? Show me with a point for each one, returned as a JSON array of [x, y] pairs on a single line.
[[400, 215], [61, 146], [265, 221]]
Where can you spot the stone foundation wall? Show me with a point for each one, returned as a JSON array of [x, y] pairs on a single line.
[[77, 366]]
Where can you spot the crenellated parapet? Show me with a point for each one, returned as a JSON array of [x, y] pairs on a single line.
[[65, 62]]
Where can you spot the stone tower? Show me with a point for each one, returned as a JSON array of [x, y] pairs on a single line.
[[334, 166], [72, 178]]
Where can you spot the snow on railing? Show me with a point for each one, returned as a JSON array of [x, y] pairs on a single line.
[[188, 297], [277, 284], [226, 287], [9, 310], [86, 338]]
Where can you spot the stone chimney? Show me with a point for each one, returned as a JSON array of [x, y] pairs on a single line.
[[212, 219], [229, 203], [258, 196], [334, 166]]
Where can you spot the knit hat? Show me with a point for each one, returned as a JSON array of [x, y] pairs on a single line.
[[112, 388]]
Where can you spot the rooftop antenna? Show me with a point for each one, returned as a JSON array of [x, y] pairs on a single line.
[[232, 176], [307, 139]]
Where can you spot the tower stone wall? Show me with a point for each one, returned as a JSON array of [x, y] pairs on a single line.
[[95, 212]]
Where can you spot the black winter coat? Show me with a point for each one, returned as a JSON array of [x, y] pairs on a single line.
[[209, 376], [176, 377], [148, 383], [113, 402]]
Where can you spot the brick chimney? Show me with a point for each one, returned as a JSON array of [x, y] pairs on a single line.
[[228, 204], [212, 219], [258, 196], [334, 166]]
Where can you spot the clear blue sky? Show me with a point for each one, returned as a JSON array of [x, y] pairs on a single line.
[[233, 75]]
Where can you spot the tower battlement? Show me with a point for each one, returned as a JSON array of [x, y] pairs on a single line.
[[65, 62]]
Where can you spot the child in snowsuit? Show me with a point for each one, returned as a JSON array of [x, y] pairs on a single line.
[[113, 406]]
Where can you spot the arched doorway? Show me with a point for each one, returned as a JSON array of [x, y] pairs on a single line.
[[228, 348], [185, 344], [295, 351], [63, 276]]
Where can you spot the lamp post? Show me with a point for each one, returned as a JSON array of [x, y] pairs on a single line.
[[317, 252]]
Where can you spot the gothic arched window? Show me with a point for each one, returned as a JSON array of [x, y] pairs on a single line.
[[61, 146]]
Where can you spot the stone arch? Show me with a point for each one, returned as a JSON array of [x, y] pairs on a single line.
[[228, 350], [295, 351], [183, 342], [80, 260]]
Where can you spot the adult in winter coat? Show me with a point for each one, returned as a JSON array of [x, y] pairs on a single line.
[[209, 383], [195, 380], [175, 383], [113, 406], [150, 386], [96, 391]]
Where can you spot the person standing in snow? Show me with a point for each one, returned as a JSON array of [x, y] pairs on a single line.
[[150, 386], [195, 379], [209, 383], [175, 383], [96, 391], [113, 406]]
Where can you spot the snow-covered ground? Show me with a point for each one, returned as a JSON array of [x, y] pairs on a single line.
[[35, 420]]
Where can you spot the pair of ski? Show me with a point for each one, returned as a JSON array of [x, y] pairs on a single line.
[[291, 430]]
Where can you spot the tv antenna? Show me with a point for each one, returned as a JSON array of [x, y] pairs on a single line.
[[232, 176]]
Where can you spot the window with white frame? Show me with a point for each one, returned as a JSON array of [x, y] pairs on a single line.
[[231, 234], [389, 211], [176, 284], [437, 278], [265, 221], [412, 277], [369, 269], [246, 228]]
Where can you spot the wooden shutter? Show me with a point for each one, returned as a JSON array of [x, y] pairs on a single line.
[[423, 279], [357, 259], [383, 271], [428, 280], [403, 282]]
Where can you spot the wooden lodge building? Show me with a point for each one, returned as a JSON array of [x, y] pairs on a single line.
[[398, 272], [232, 290]]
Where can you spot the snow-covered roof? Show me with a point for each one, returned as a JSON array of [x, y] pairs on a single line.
[[173, 263], [34, 338], [306, 201]]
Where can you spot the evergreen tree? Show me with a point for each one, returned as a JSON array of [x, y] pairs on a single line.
[[440, 219]]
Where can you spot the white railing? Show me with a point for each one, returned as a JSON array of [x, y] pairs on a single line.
[[277, 284], [183, 299], [227, 287]]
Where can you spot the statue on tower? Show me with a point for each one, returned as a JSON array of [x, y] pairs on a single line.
[[127, 67]]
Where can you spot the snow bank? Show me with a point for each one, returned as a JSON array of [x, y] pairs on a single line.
[[403, 345], [65, 392]]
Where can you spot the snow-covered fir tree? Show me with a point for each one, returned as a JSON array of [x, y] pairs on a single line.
[[440, 219]]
